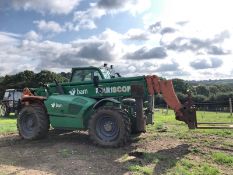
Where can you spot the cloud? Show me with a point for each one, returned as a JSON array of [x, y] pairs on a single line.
[[145, 53], [178, 73], [133, 6], [154, 28], [44, 6], [8, 39], [200, 64], [166, 30], [86, 24], [174, 66], [136, 34], [132, 68], [206, 64], [53, 55], [29, 52], [49, 26], [12, 35], [215, 50], [112, 4], [65, 60], [216, 62], [182, 23], [210, 46], [32, 36], [185, 36], [159, 28], [85, 19], [96, 50]]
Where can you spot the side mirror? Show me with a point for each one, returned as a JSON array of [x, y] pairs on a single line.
[[118, 74], [96, 81]]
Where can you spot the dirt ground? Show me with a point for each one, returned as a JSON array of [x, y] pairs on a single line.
[[73, 153]]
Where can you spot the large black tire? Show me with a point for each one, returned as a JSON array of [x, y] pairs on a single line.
[[130, 102], [33, 122], [109, 127]]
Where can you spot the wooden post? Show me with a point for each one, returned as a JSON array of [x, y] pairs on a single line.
[[230, 103]]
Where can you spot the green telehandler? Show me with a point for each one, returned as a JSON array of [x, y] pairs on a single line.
[[109, 106]]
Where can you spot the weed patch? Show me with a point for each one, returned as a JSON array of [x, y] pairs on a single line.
[[141, 169], [207, 169], [222, 158], [65, 153]]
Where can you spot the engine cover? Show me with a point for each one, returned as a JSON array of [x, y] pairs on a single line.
[[67, 111]]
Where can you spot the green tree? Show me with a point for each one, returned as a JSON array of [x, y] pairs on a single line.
[[213, 89], [181, 86], [46, 76], [202, 90], [199, 98]]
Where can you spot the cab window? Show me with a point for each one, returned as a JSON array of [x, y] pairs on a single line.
[[6, 95], [17, 96], [106, 73], [85, 75]]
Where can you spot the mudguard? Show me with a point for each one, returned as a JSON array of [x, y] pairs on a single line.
[[104, 101]]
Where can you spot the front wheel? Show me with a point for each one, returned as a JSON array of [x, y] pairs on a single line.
[[33, 122], [109, 127]]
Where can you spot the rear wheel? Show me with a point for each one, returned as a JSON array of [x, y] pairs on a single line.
[[33, 122], [109, 127]]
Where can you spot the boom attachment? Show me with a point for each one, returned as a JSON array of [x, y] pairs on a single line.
[[185, 112]]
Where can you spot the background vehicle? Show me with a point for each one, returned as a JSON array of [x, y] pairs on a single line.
[[10, 102], [110, 107]]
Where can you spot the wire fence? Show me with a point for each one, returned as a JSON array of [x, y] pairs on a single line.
[[214, 106], [218, 106]]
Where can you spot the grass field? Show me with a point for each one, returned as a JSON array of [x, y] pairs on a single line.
[[7, 125], [210, 150], [168, 147]]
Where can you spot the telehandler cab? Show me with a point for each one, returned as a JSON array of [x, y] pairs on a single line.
[[109, 106]]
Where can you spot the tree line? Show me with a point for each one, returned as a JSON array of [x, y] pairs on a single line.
[[202, 93], [30, 79], [205, 96]]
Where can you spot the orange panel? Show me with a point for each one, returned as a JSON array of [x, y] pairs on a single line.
[[169, 95], [27, 92], [149, 85], [156, 83]]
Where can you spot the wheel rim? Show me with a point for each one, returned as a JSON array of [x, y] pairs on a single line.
[[107, 128], [3, 110], [28, 123]]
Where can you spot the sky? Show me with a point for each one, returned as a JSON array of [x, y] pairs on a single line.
[[188, 39]]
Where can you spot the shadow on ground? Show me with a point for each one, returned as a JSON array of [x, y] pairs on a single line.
[[164, 159]]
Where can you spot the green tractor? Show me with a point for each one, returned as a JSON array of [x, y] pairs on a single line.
[[109, 106]]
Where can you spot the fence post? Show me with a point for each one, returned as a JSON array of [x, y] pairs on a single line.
[[230, 103]]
